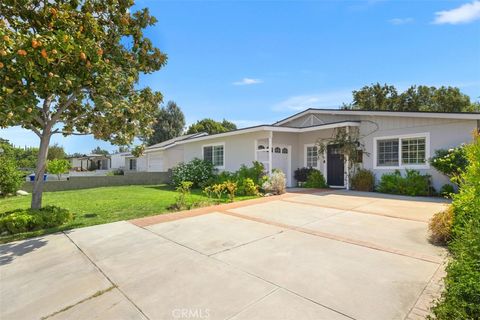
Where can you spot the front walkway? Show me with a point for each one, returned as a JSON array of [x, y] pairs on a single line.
[[328, 255]]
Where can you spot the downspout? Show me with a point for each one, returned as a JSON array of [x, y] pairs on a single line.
[[270, 145], [347, 162]]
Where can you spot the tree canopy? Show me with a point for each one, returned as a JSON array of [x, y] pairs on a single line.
[[170, 123], [211, 126], [99, 150], [71, 67], [56, 152], [416, 98]]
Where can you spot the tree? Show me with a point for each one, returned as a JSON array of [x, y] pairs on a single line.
[[211, 126], [170, 123], [56, 152], [10, 177], [415, 98], [101, 151], [71, 67], [58, 167]]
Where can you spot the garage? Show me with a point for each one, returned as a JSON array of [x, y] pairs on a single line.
[[156, 162]]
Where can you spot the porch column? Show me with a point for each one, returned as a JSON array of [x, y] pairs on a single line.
[[347, 163], [270, 145]]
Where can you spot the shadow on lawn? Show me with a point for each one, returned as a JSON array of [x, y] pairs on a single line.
[[9, 251], [161, 187]]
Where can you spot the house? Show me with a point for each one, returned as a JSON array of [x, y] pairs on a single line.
[[160, 157], [90, 162], [118, 160], [390, 141]]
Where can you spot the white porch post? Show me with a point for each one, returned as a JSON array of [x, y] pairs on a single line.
[[270, 138], [347, 163]]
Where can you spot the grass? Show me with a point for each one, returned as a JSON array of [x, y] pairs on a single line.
[[103, 205]]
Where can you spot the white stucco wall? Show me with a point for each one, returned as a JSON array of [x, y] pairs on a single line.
[[118, 160], [239, 149], [444, 134]]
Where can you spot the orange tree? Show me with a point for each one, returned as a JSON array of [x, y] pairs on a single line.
[[72, 67]]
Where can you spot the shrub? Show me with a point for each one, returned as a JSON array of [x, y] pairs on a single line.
[[440, 226], [275, 183], [231, 188], [10, 178], [23, 220], [58, 167], [255, 172], [413, 184], [461, 298], [218, 190], [363, 180], [315, 179], [451, 162], [301, 174], [248, 188], [447, 190], [197, 171], [183, 191]]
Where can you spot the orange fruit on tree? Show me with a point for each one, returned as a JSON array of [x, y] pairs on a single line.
[[22, 52], [35, 43], [44, 53], [1, 65], [54, 51], [100, 51]]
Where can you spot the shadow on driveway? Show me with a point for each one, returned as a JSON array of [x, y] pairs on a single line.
[[9, 251]]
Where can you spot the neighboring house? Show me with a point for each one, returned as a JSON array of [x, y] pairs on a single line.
[[90, 162], [392, 140]]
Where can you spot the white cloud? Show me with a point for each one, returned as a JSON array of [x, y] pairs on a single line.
[[466, 13], [247, 81], [302, 102], [400, 21]]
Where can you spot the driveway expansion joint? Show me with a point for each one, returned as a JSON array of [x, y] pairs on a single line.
[[334, 237], [106, 276]]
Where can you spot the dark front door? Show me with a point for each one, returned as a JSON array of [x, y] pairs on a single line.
[[335, 166]]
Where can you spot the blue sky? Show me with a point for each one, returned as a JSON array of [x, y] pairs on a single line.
[[255, 62]]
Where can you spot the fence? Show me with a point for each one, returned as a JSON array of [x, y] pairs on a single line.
[[130, 178]]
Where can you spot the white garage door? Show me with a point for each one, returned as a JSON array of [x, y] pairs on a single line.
[[155, 162]]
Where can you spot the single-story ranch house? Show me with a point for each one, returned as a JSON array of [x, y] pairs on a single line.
[[391, 140]]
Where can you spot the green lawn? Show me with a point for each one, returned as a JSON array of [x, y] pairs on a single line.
[[102, 205]]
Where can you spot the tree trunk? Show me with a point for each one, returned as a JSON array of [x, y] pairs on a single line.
[[40, 170]]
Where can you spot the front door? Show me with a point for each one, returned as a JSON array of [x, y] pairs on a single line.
[[335, 166]]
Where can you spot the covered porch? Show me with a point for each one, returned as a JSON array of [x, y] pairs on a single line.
[[288, 149]]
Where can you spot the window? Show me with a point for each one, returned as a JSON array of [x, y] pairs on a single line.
[[214, 154], [409, 151], [132, 164], [261, 147], [285, 150], [278, 150], [413, 151], [387, 153], [311, 156]]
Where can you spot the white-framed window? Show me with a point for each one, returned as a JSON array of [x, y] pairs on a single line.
[[311, 156], [215, 154], [403, 151]]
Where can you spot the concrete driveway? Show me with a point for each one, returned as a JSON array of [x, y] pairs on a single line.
[[326, 255]]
